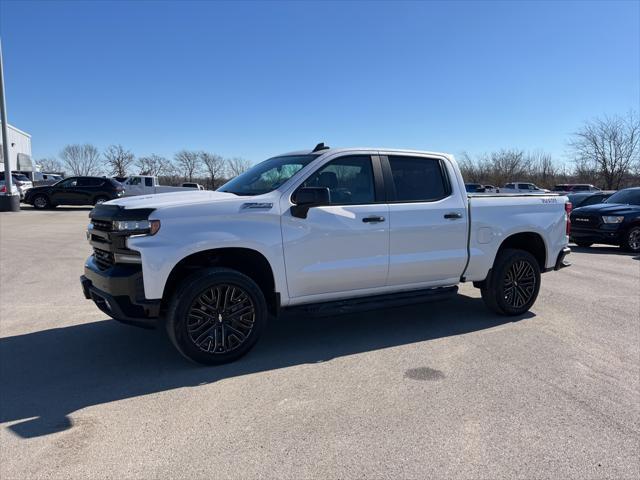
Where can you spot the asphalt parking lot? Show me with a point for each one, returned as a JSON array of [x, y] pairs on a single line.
[[444, 390]]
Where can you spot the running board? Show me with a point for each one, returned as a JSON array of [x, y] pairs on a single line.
[[362, 304]]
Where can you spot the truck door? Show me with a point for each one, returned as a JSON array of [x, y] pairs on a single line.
[[428, 215], [134, 186], [342, 246]]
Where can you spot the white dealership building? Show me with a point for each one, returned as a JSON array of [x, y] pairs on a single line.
[[19, 151]]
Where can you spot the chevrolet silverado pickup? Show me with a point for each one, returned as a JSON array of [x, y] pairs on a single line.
[[324, 231]]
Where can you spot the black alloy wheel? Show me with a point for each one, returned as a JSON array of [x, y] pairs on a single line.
[[513, 283], [221, 318], [216, 316], [519, 284]]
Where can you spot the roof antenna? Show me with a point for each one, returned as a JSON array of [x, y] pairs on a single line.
[[320, 146]]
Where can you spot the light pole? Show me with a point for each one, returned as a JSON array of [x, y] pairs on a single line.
[[8, 201]]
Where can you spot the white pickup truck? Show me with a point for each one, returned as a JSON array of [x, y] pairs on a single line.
[[325, 231], [147, 185]]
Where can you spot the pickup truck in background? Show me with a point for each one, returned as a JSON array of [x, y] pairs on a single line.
[[522, 187], [147, 185], [324, 231]]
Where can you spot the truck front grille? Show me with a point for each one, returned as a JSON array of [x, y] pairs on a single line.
[[103, 225], [585, 220], [103, 258]]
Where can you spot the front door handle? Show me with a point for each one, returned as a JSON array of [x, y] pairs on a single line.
[[373, 219], [453, 215]]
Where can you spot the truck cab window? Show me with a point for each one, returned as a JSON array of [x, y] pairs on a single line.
[[148, 182]]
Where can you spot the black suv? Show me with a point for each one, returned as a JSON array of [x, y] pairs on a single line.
[[74, 191], [614, 222]]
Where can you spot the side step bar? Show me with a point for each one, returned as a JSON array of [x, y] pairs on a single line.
[[362, 304]]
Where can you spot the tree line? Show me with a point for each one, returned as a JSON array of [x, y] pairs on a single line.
[[605, 152], [209, 169]]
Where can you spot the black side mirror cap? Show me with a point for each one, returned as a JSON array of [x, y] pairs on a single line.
[[307, 197]]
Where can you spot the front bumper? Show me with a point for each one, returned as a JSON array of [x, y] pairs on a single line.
[[606, 233], [119, 292]]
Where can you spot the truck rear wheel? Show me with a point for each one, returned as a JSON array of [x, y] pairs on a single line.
[[216, 316], [512, 286]]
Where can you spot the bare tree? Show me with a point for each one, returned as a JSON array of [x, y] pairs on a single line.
[[541, 168], [50, 165], [238, 166], [118, 159], [154, 165], [610, 146], [81, 159], [215, 166], [188, 163]]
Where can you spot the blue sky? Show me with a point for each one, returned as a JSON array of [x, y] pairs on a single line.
[[257, 79]]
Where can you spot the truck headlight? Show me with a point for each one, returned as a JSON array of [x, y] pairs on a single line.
[[134, 227], [612, 219]]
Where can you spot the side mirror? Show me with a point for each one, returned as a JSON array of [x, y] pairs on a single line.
[[307, 197]]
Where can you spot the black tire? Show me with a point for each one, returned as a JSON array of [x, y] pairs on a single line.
[[501, 291], [198, 326], [631, 239], [99, 199], [584, 244], [41, 202]]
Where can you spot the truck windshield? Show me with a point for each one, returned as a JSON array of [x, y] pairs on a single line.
[[268, 175], [629, 197]]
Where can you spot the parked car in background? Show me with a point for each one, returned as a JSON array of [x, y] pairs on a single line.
[[614, 222], [21, 181], [474, 188], [3, 189], [197, 186], [522, 187], [75, 191], [41, 178], [148, 185], [582, 199], [575, 187], [120, 179], [491, 189]]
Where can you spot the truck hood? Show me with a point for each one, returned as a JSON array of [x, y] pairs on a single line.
[[174, 199], [608, 209]]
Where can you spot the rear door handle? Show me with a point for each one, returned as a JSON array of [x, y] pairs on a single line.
[[373, 219], [453, 215]]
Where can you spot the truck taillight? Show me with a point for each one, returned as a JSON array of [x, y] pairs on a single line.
[[567, 208], [3, 189]]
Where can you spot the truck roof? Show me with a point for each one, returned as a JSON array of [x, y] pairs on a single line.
[[354, 149]]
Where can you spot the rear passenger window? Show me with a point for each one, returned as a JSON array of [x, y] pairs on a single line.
[[418, 179], [89, 182]]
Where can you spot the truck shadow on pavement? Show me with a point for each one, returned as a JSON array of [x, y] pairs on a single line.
[[48, 375]]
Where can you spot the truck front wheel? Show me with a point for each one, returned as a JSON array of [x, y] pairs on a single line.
[[513, 283], [216, 316]]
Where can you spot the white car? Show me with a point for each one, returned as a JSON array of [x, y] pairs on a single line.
[[148, 185], [323, 230], [522, 187], [3, 189], [21, 181]]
